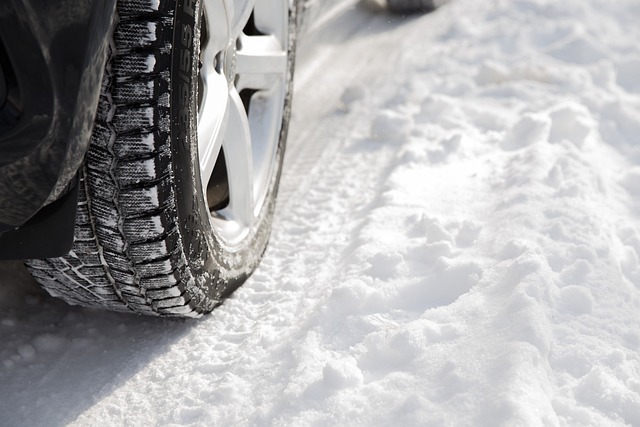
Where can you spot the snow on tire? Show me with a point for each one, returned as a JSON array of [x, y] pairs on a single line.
[[148, 238]]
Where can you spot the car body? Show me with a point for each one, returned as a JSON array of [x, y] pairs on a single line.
[[50, 70], [142, 144], [50, 65]]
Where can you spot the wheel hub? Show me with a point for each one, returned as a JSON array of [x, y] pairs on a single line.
[[227, 62]]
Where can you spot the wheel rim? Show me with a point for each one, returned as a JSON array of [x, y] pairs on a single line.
[[241, 96]]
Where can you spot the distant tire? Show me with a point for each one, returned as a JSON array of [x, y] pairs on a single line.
[[414, 6], [178, 189]]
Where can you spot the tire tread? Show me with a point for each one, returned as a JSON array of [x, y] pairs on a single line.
[[127, 253]]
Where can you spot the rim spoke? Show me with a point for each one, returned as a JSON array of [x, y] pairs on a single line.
[[219, 32], [241, 13], [238, 155], [267, 105], [212, 122], [261, 61], [272, 18]]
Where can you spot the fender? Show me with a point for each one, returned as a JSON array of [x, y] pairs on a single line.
[[52, 56]]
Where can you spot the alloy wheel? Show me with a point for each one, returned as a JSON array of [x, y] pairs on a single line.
[[241, 100]]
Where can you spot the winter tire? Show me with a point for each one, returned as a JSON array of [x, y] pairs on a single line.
[[178, 187]]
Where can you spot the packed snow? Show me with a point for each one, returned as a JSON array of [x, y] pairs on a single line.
[[457, 242]]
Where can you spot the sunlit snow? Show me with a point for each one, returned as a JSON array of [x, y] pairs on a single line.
[[457, 243]]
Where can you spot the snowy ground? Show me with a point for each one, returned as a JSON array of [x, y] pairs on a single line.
[[458, 242]]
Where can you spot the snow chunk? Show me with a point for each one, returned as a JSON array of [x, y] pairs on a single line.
[[631, 181], [602, 390], [396, 349], [578, 50], [571, 122], [354, 296], [436, 107], [151, 63], [530, 129], [390, 125], [627, 75], [468, 233], [491, 72], [576, 299], [577, 272], [448, 282], [341, 373], [385, 264]]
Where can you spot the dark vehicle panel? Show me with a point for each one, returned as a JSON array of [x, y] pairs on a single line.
[[52, 55]]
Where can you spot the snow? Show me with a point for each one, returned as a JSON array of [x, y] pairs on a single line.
[[457, 242]]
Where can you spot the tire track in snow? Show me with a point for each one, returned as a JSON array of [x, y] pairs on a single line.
[[465, 250], [327, 185]]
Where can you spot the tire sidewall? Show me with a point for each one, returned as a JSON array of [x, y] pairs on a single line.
[[216, 268]]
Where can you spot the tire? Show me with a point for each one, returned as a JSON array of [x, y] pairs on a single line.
[[178, 188], [413, 6]]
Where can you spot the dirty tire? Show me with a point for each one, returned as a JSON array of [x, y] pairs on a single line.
[[143, 241]]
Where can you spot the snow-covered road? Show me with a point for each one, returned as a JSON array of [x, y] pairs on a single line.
[[457, 242]]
